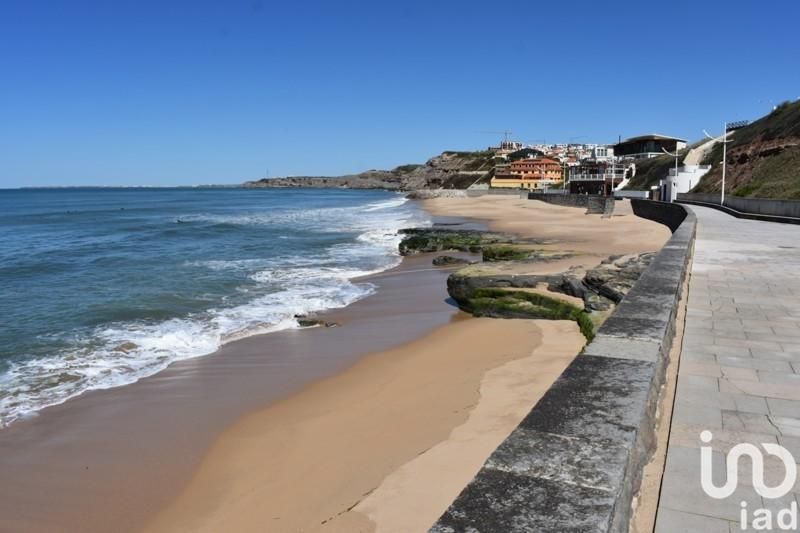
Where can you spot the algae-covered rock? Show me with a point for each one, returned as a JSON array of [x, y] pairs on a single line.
[[421, 240], [595, 302], [447, 260], [569, 285], [488, 289], [614, 278], [462, 284], [505, 303], [505, 252]]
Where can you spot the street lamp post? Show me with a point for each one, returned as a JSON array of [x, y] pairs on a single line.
[[724, 161], [725, 141], [675, 155]]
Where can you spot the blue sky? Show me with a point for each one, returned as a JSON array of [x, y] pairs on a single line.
[[170, 93]]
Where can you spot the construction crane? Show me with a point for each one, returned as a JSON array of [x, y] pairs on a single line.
[[506, 134]]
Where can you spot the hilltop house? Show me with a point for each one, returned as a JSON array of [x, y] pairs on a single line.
[[536, 173], [647, 146], [506, 147]]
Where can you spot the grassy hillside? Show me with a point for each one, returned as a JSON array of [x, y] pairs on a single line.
[[649, 171], [465, 161], [763, 158], [525, 153]]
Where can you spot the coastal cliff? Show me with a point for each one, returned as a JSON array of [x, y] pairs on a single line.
[[449, 170]]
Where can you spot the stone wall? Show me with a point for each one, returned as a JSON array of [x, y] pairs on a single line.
[[575, 462], [670, 215], [642, 195], [595, 205], [750, 208], [520, 193]]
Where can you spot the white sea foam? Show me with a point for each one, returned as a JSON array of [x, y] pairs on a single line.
[[387, 204], [122, 353]]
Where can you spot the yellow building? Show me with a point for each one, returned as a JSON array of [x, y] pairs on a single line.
[[538, 173]]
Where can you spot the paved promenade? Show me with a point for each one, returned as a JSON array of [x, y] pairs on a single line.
[[739, 371]]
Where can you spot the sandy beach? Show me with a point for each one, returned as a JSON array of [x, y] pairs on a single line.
[[590, 237], [387, 445], [375, 425], [312, 462]]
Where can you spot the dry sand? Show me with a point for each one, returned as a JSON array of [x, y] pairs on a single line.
[[387, 444], [303, 463], [590, 237]]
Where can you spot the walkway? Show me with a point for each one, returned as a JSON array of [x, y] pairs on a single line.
[[739, 371]]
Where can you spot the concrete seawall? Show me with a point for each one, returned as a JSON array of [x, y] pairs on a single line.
[[768, 210], [594, 204], [575, 462], [501, 192]]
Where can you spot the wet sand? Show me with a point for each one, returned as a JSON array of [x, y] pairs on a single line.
[[306, 462], [387, 445], [109, 460], [226, 442]]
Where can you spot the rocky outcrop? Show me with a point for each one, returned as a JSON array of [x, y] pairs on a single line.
[[504, 303], [614, 277], [600, 288], [436, 239], [126, 347], [493, 246], [576, 461], [501, 287], [448, 260], [310, 322], [463, 284], [428, 194]]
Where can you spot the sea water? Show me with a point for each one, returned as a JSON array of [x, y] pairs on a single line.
[[101, 287]]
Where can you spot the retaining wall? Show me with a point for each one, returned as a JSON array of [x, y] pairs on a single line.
[[787, 211], [594, 204], [520, 193], [575, 462], [642, 195]]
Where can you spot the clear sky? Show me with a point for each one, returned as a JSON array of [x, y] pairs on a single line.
[[169, 92]]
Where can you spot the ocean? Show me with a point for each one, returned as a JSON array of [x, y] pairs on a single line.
[[101, 287]]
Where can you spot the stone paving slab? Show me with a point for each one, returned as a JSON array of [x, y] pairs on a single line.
[[739, 369]]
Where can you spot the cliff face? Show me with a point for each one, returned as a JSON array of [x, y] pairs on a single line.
[[449, 170], [763, 159]]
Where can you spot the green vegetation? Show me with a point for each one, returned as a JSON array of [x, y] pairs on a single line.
[[483, 160], [763, 158], [505, 253], [502, 303], [776, 176], [649, 171], [473, 161], [525, 153], [784, 121], [463, 181], [419, 240]]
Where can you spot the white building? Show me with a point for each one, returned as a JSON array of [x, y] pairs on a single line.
[[688, 176], [603, 153]]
